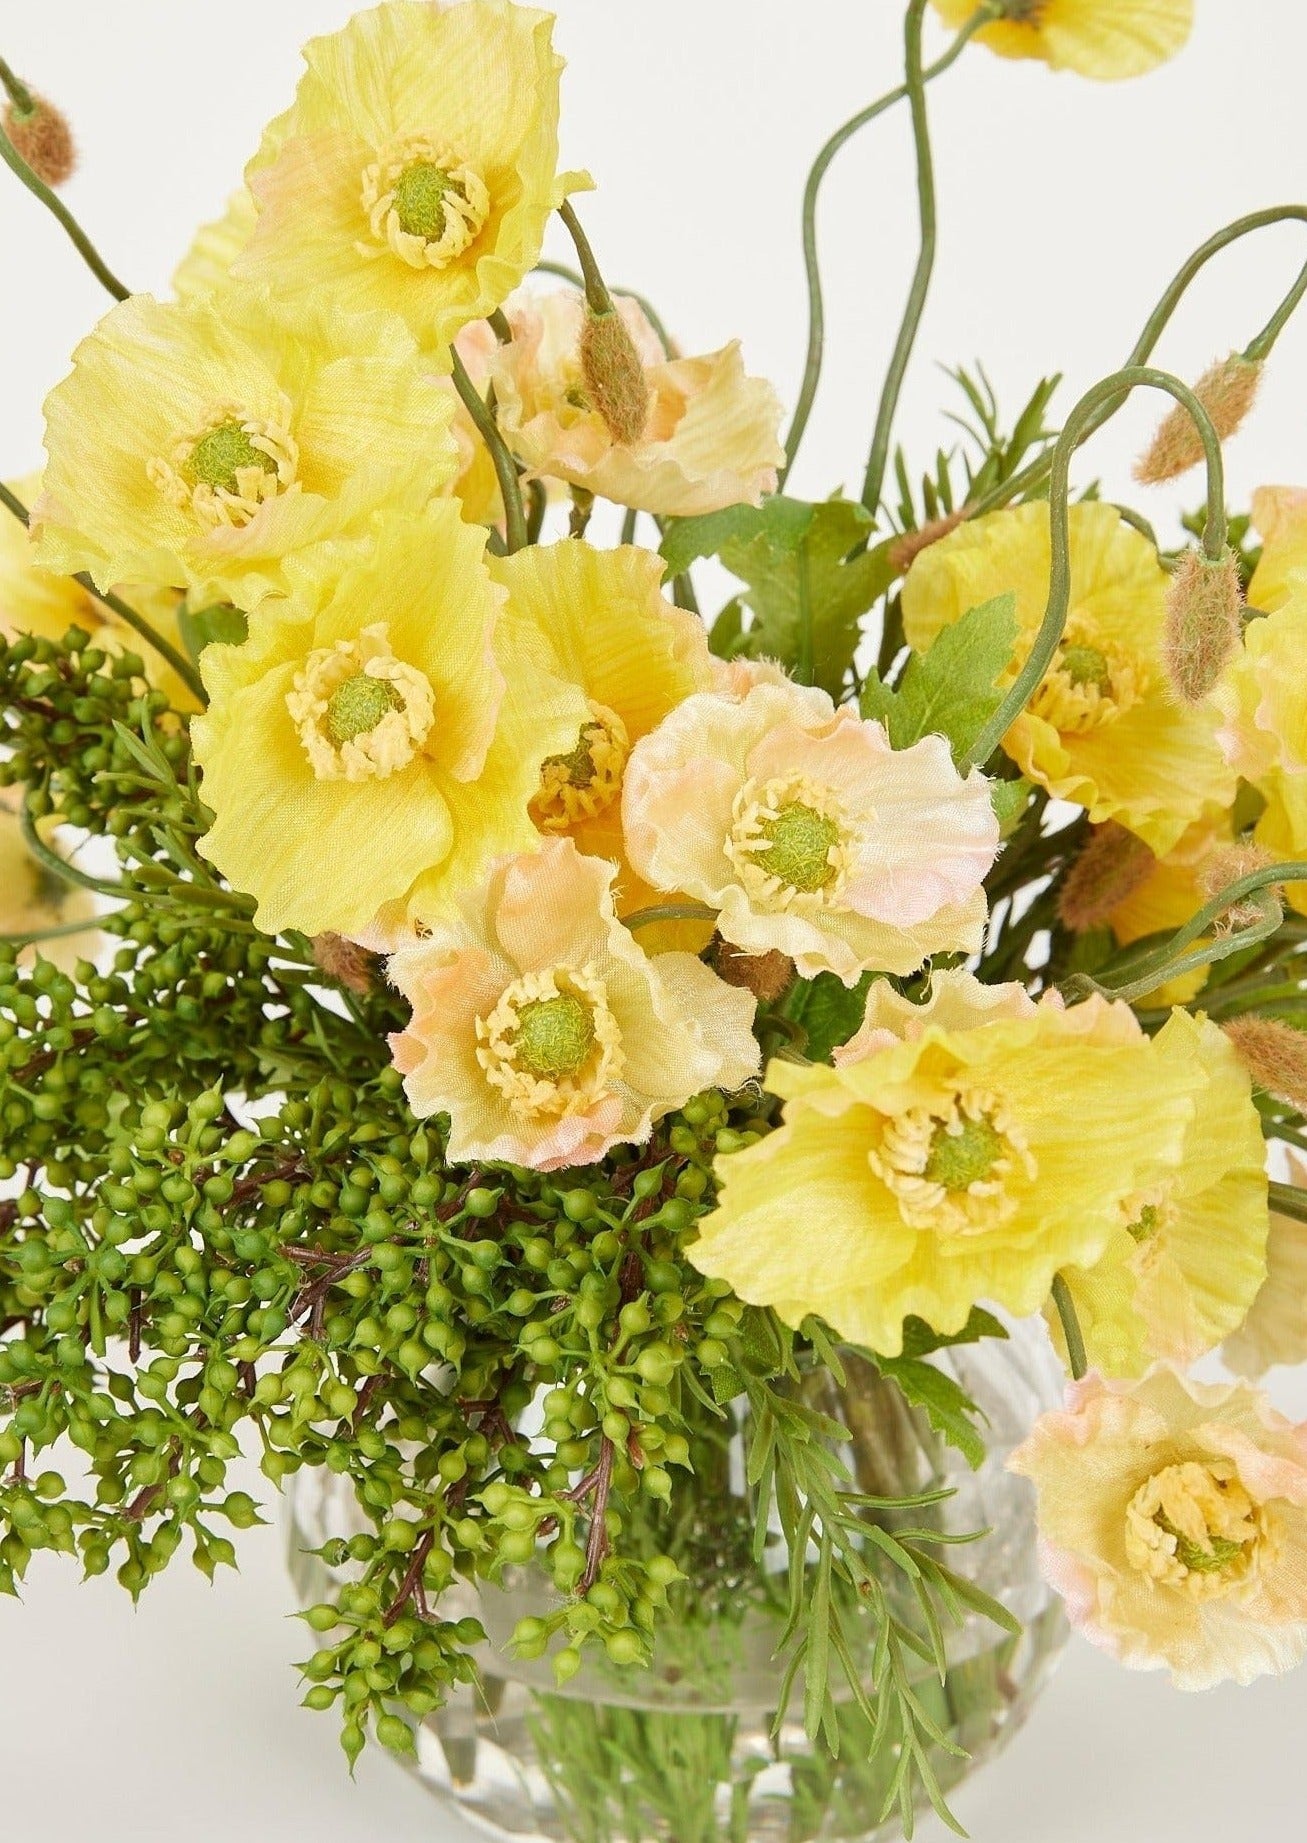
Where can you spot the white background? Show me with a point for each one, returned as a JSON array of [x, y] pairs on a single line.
[[1065, 208]]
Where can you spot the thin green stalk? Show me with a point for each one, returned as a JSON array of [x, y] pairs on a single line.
[[650, 312], [56, 866], [597, 297], [878, 459], [510, 486], [17, 91], [1111, 391], [811, 261], [56, 207], [33, 937], [1258, 348], [181, 665], [805, 663], [1289, 1200], [1075, 1339], [669, 911]]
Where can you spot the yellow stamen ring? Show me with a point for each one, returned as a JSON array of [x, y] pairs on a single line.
[[360, 712]]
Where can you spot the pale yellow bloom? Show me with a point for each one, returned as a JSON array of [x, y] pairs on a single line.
[[808, 834], [711, 438], [33, 899], [1275, 1330], [1103, 729], [959, 1153], [1263, 701], [545, 1032], [1189, 1252], [381, 748], [202, 445], [1106, 39], [417, 168], [1174, 1525], [1280, 516], [606, 626]]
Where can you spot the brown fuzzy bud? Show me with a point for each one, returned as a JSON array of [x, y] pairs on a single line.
[[43, 138], [614, 376], [1204, 618], [768, 976], [1111, 867], [910, 544], [1227, 391], [345, 961], [1274, 1054], [1229, 864]]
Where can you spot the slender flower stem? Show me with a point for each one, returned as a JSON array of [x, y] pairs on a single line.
[[505, 467], [16, 90], [56, 207], [1289, 1200], [1112, 392], [181, 665], [899, 359], [1033, 476], [647, 308], [811, 261], [805, 664], [1075, 1337], [56, 866], [597, 297], [669, 911]]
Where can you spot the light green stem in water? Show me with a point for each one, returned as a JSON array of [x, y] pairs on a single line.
[[57, 209], [1111, 391], [505, 466], [1075, 1339], [1033, 476], [180, 664], [811, 262]]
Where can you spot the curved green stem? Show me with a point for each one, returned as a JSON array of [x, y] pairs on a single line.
[[16, 90], [1156, 324], [650, 312], [510, 486], [56, 207], [811, 261], [669, 912], [1289, 1200], [597, 297], [1075, 1339], [181, 665], [60, 867], [1088, 413], [878, 459], [33, 937]]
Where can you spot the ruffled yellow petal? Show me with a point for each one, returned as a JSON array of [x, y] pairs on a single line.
[[1123, 748], [468, 93], [206, 266], [345, 419], [1275, 1330], [1263, 702], [1105, 39], [1280, 515]]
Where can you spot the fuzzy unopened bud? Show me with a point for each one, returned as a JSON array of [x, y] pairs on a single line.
[[1204, 617], [768, 976], [910, 544], [1274, 1054], [345, 961], [1111, 867], [1227, 865], [43, 138], [1227, 391], [614, 376]]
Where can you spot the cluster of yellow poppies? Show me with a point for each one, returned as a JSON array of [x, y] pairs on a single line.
[[521, 773]]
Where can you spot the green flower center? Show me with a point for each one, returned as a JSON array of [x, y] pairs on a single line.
[[1217, 1556], [554, 1036], [1085, 665], [799, 844], [579, 765], [218, 454], [358, 705], [1146, 1225], [419, 201], [959, 1159]]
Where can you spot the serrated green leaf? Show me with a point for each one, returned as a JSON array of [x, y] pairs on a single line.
[[1009, 800], [951, 690], [685, 540], [220, 625], [947, 1405], [828, 1011], [919, 1338], [726, 636]]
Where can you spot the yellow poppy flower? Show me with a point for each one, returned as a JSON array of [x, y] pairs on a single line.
[[1263, 701], [1103, 730], [711, 438], [544, 1032], [419, 165], [227, 437], [1280, 516], [1174, 1525], [607, 627], [1189, 1254], [383, 744], [1106, 39], [964, 1151], [33, 899], [1275, 1330]]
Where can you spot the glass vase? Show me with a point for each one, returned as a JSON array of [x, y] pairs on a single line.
[[692, 1750]]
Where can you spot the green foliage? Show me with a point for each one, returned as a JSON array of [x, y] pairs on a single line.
[[952, 690], [990, 459], [828, 1012]]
